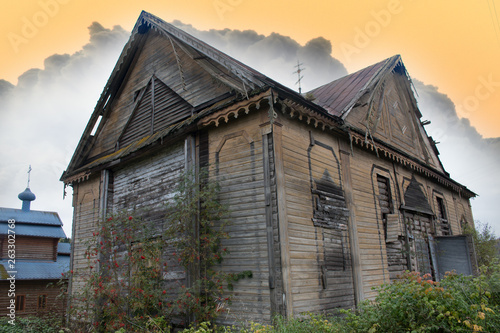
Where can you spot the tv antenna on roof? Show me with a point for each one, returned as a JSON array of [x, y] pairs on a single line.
[[299, 75]]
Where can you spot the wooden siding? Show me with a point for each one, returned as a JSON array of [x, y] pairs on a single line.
[[55, 306], [320, 263], [33, 248], [145, 187], [380, 258], [85, 218], [370, 232], [236, 156]]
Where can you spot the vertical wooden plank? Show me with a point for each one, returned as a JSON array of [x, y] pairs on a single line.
[[269, 220], [152, 105], [190, 167], [282, 217], [345, 163], [103, 194]]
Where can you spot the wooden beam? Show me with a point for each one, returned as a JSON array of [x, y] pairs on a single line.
[[357, 277], [282, 218]]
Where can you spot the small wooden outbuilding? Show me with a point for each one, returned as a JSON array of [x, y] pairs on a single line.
[[329, 195], [32, 261]]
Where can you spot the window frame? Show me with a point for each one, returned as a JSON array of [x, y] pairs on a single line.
[[44, 302], [23, 303]]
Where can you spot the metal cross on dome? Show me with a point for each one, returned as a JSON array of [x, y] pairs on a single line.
[[29, 174]]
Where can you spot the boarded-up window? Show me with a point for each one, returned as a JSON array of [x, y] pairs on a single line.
[[442, 217], [422, 255], [330, 210], [336, 254], [385, 200], [147, 254]]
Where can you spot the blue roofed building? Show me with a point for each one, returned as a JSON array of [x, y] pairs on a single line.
[[32, 260]]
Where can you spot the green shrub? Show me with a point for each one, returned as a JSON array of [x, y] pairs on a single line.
[[30, 325], [417, 304]]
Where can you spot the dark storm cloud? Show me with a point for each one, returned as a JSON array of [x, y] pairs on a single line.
[[471, 159], [5, 87], [445, 122]]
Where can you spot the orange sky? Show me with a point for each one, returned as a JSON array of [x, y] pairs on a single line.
[[450, 44]]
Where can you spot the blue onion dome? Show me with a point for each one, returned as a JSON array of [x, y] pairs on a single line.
[[27, 195]]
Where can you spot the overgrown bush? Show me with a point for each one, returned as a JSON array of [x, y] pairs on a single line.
[[417, 304], [31, 324], [485, 242]]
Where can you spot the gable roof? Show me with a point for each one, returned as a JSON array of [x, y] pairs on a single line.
[[32, 223], [239, 78], [339, 96]]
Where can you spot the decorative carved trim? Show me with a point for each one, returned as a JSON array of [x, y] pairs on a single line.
[[235, 110], [399, 158], [296, 110], [78, 178]]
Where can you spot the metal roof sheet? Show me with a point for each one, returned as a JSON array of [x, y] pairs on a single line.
[[32, 216], [22, 229], [337, 96], [64, 248], [36, 270]]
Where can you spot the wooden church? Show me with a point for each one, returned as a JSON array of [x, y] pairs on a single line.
[[330, 193]]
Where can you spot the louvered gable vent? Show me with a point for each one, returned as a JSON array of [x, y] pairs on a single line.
[[156, 107]]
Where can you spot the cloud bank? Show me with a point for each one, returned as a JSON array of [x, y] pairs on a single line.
[[45, 113], [469, 158]]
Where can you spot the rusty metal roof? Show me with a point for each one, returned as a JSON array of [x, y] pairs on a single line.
[[337, 97]]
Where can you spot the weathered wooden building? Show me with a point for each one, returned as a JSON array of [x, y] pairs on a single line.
[[32, 261], [329, 195]]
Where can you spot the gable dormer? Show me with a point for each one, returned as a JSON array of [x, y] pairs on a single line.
[[378, 102]]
